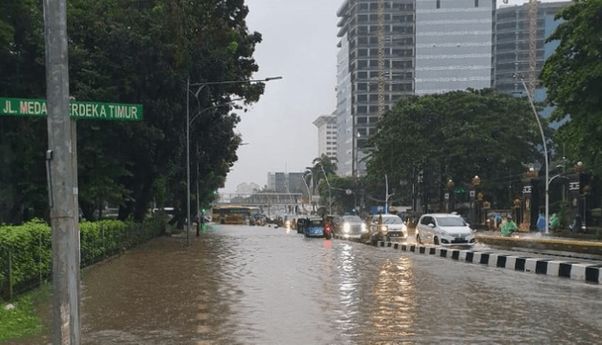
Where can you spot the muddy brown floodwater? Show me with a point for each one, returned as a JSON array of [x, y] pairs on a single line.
[[258, 285]]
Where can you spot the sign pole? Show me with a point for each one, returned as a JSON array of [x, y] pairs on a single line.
[[62, 179]]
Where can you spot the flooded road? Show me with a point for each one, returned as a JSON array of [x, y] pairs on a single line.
[[257, 285]]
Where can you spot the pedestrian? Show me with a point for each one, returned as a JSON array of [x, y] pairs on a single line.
[[541, 222], [508, 227]]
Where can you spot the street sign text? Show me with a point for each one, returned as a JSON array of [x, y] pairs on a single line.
[[77, 109]]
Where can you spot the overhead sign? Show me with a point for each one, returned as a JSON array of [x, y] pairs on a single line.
[[21, 107]]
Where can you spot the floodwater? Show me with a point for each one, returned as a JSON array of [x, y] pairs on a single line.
[[258, 285]]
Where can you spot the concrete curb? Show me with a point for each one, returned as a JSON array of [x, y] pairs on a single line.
[[593, 248], [586, 272]]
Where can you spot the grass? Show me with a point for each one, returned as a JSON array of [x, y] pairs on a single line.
[[23, 321]]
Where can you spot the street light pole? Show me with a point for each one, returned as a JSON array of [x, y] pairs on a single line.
[[545, 152], [387, 195], [188, 124], [188, 161], [329, 190]]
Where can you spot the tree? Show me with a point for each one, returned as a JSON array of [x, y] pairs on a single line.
[[573, 78], [322, 166], [455, 135], [129, 52]]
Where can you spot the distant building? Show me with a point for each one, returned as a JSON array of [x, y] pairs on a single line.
[[295, 183], [361, 68], [454, 45], [327, 135], [280, 182], [512, 45]]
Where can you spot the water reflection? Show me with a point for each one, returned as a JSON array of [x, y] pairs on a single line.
[[255, 285], [395, 300]]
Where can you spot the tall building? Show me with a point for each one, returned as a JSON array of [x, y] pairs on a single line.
[[512, 45], [375, 68], [280, 182], [454, 45], [327, 135]]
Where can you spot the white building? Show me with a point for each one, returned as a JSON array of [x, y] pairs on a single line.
[[454, 45], [327, 135]]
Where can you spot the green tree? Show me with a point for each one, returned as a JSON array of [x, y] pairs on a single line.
[[133, 52], [455, 135], [573, 78], [322, 166]]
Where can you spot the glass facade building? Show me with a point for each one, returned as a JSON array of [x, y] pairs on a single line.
[[370, 40], [454, 45], [512, 46]]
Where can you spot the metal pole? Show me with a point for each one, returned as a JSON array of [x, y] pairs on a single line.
[[188, 161], [386, 194], [63, 178], [329, 192], [545, 152]]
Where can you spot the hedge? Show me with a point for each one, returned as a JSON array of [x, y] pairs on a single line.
[[27, 248]]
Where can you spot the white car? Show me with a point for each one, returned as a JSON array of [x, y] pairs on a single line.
[[444, 229], [387, 227]]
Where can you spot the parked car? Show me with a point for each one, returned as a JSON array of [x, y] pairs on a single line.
[[444, 229], [387, 227], [351, 226], [313, 227]]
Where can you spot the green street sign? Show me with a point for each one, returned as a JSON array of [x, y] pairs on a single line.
[[77, 110]]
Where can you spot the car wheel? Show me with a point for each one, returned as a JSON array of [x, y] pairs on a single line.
[[418, 240], [436, 240]]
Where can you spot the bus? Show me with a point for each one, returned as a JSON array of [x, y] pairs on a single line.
[[232, 214]]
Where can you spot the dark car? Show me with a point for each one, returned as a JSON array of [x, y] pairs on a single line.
[[351, 227]]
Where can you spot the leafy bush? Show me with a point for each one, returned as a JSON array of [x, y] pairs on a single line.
[[28, 247]]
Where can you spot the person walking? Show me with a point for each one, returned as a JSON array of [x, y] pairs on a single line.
[[541, 222]]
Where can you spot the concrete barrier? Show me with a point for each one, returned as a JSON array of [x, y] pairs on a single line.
[[586, 272]]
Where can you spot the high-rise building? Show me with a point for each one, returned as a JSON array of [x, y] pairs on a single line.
[[454, 45], [327, 135], [512, 45], [375, 68], [281, 182]]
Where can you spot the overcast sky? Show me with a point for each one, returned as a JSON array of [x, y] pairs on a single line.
[[299, 43]]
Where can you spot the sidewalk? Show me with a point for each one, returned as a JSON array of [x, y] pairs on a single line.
[[550, 244]]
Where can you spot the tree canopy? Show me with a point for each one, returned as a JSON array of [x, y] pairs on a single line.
[[455, 136], [130, 52], [573, 78]]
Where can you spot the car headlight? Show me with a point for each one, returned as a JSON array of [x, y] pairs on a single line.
[[364, 228], [383, 229], [346, 227]]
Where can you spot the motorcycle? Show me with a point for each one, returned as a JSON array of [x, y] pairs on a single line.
[[328, 231]]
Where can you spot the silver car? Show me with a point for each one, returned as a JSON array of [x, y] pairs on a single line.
[[444, 229]]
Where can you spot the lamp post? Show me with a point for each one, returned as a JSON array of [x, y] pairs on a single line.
[[450, 188], [545, 152], [387, 195], [201, 86], [329, 189], [309, 196], [476, 181], [355, 148]]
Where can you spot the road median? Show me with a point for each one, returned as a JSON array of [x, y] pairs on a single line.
[[556, 244]]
